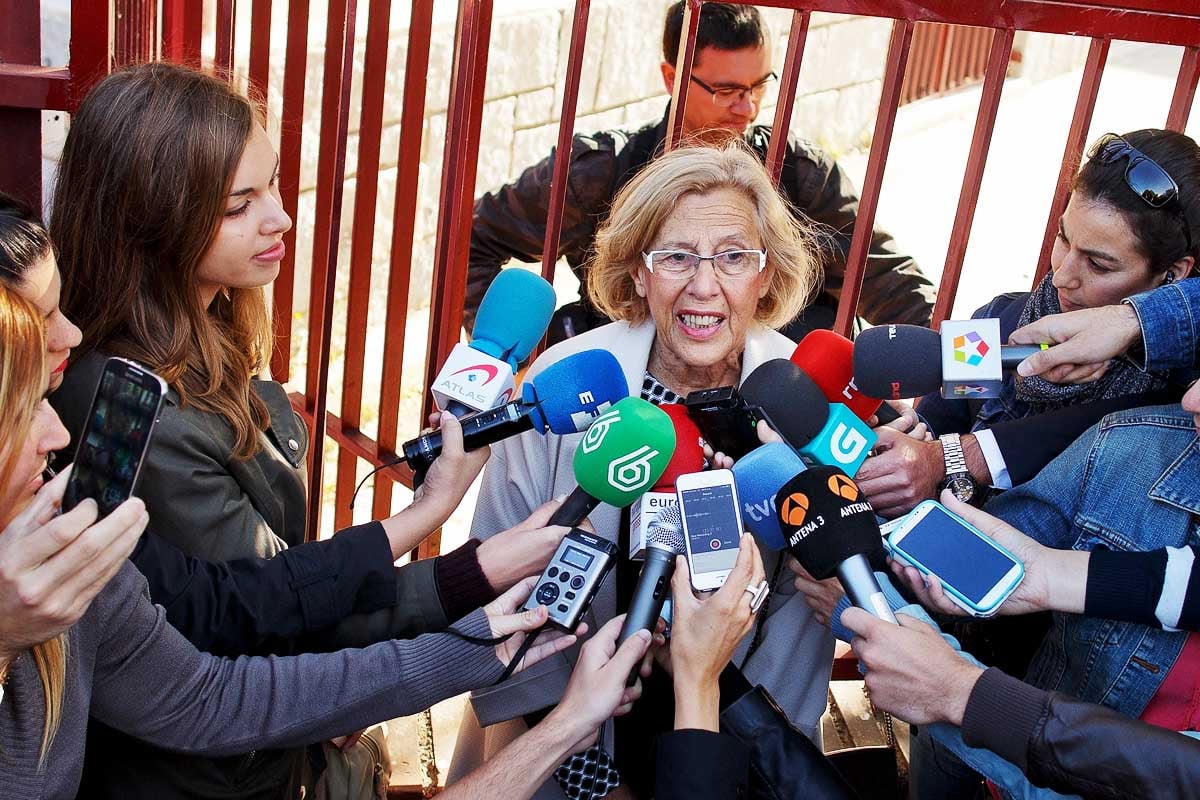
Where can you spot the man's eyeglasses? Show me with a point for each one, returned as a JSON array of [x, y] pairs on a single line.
[[680, 264], [1143, 175], [725, 96]]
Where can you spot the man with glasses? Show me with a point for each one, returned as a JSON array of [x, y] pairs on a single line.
[[730, 78]]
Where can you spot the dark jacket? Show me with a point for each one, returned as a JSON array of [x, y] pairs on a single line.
[[510, 223], [757, 755], [1028, 443], [1078, 748]]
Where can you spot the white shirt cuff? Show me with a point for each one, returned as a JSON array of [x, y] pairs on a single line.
[[995, 460]]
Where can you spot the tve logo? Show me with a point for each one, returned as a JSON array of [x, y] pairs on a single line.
[[970, 348]]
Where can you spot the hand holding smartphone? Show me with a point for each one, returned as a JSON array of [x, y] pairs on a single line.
[[115, 436], [712, 525], [977, 573]]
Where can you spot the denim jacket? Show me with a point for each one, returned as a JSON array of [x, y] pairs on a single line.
[[1170, 321], [1131, 482]]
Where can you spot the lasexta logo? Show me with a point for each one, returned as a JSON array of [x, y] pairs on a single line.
[[598, 430], [970, 348], [631, 472], [483, 374], [795, 509], [843, 487], [847, 444]]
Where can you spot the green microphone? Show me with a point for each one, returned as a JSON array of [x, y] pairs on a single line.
[[622, 454]]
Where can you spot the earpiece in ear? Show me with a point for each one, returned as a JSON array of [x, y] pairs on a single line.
[[1168, 278]]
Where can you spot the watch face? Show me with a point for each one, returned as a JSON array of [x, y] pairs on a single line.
[[962, 487]]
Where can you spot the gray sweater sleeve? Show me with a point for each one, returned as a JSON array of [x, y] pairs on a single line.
[[151, 683]]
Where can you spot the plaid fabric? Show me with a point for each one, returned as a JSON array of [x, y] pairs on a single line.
[[656, 393]]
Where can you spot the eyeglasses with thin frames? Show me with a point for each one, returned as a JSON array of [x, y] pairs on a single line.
[[1143, 175], [682, 265], [726, 96]]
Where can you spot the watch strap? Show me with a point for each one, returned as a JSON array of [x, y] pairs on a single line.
[[952, 454]]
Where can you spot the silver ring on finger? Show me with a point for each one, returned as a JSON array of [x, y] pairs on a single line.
[[758, 595]]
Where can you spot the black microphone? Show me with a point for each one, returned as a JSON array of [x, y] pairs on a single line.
[[830, 528], [896, 361], [664, 541], [790, 401]]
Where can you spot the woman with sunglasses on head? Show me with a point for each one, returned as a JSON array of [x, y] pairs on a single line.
[[172, 275], [1132, 224], [124, 666]]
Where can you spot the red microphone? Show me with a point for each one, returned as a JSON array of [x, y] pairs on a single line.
[[688, 457], [828, 358]]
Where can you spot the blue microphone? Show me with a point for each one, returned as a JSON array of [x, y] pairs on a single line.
[[564, 398], [512, 319], [760, 474]]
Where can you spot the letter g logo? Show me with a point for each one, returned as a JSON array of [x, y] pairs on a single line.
[[598, 430], [847, 444]]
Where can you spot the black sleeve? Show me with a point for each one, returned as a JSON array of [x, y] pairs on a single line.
[[947, 416], [256, 605], [1075, 747], [1132, 586], [695, 765], [1030, 443]]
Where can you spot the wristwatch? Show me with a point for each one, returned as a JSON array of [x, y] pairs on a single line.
[[958, 478]]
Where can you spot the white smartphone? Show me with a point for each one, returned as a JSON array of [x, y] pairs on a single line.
[[976, 572], [712, 526]]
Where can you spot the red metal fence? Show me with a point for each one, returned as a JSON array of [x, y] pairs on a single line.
[[131, 29]]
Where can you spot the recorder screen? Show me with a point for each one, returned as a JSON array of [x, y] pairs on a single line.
[[712, 527]]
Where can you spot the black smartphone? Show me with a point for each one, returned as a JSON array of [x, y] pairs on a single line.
[[725, 419], [116, 433]]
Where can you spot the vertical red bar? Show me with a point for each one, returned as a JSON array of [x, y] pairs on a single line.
[[1185, 89], [860, 245], [260, 45], [91, 46], [193, 29], [134, 37], [566, 128], [226, 17], [1085, 103], [981, 140], [404, 215], [370, 128], [331, 176], [21, 128], [683, 73], [172, 30], [788, 81], [459, 167], [292, 128]]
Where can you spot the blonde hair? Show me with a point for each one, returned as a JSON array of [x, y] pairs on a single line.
[[22, 384], [643, 204]]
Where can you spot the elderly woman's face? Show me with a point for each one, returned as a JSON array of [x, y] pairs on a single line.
[[703, 319]]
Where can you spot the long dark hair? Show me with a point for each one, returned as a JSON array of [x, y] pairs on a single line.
[[23, 240], [1159, 231], [140, 195]]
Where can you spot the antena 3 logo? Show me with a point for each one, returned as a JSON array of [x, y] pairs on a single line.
[[843, 487], [599, 429], [795, 508], [631, 472]]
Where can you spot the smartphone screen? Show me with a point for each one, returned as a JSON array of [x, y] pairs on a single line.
[[956, 555], [712, 527], [115, 436]]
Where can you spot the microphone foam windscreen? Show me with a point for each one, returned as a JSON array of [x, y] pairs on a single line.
[[759, 475], [795, 406], [667, 529], [895, 361], [572, 392], [828, 358], [689, 456], [826, 519], [624, 452], [513, 315]]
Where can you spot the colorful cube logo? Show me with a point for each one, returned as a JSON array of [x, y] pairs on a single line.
[[970, 348]]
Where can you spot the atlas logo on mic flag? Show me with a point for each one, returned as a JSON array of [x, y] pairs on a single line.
[[475, 372], [632, 471], [970, 348], [971, 362], [473, 379], [594, 437]]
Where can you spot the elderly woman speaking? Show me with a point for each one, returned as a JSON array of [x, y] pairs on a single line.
[[700, 258]]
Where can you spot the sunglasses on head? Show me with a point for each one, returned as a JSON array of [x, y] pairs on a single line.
[[1143, 175]]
